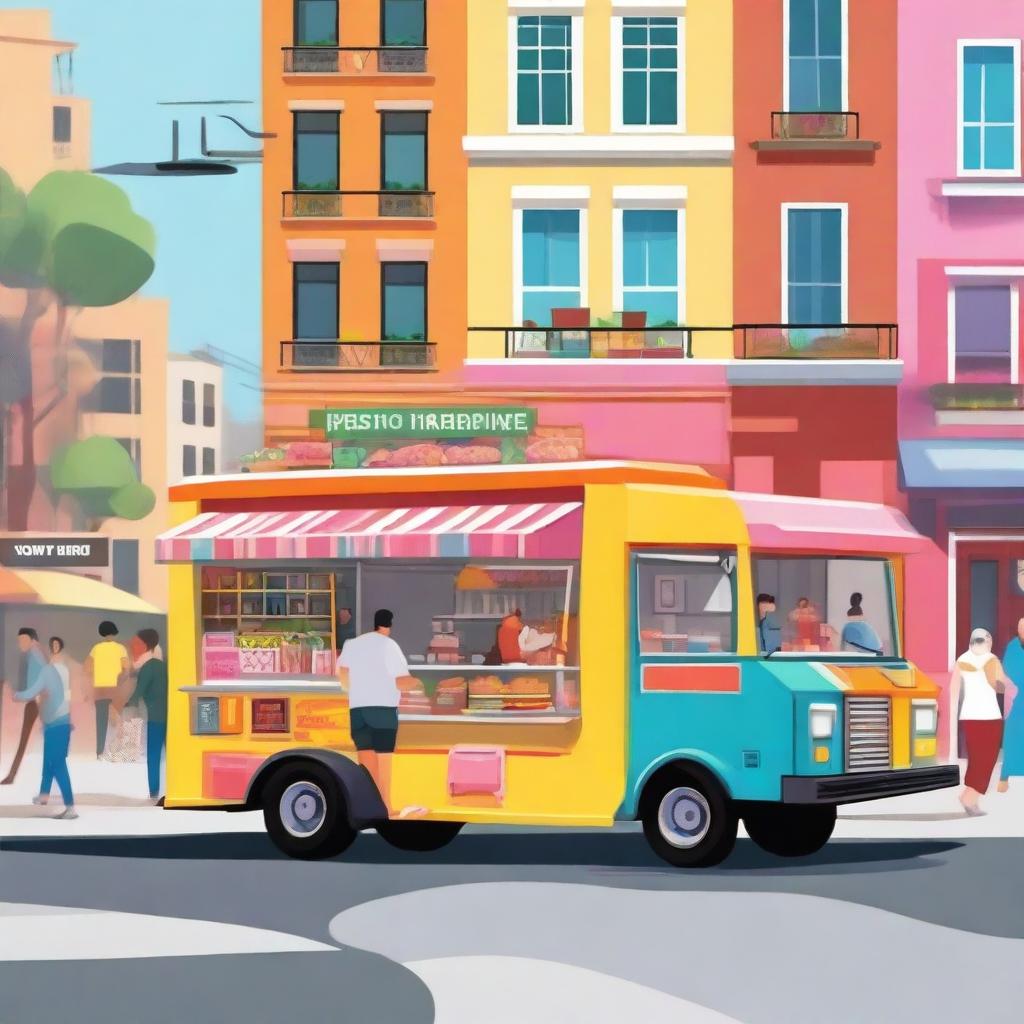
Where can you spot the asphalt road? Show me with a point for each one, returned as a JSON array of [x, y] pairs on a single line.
[[381, 935]]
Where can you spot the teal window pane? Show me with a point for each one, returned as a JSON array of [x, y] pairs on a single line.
[[664, 57], [551, 248], [649, 248], [528, 33], [972, 84], [633, 36], [316, 300], [553, 60], [634, 97], [404, 23], [661, 307], [801, 28], [405, 162], [529, 60], [999, 89], [316, 23], [999, 149], [815, 304], [664, 98], [815, 247], [663, 36], [404, 307], [528, 99], [555, 103], [537, 306], [803, 84], [316, 151], [555, 31], [972, 148], [634, 57], [830, 28], [830, 84]]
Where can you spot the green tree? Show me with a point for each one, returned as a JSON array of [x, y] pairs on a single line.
[[100, 475], [72, 241]]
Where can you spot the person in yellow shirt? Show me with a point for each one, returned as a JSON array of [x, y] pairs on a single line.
[[106, 666]]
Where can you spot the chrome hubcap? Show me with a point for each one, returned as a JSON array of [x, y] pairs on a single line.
[[684, 817], [303, 809]]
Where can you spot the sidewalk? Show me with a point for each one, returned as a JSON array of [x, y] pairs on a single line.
[[111, 801]]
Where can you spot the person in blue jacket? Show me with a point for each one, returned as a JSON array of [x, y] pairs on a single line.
[[859, 636], [1013, 730]]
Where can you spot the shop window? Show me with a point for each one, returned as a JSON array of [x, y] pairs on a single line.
[[839, 605], [985, 334], [686, 602], [551, 267], [316, 153], [815, 76], [188, 401], [316, 22], [209, 405]]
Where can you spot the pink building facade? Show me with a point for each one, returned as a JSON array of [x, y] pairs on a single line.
[[960, 273]]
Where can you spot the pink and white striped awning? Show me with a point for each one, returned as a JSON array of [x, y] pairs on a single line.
[[546, 530]]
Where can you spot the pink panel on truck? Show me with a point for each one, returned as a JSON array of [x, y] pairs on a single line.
[[476, 771], [227, 776]]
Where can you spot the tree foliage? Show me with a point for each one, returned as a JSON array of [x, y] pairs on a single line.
[[100, 475]]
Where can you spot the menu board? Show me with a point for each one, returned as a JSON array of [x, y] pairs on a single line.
[[207, 720], [269, 714]]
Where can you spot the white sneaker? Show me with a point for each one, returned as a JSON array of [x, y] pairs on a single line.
[[68, 814]]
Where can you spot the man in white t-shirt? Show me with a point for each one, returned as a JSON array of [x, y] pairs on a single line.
[[373, 669]]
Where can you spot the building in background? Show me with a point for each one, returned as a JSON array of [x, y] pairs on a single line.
[[961, 270], [195, 416], [364, 244], [814, 385]]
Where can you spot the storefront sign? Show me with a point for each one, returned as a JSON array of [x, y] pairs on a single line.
[[54, 552], [414, 423], [269, 714]]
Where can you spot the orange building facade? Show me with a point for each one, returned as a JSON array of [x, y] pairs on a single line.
[[364, 234], [814, 248]]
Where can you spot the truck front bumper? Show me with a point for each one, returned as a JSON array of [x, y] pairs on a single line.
[[851, 788]]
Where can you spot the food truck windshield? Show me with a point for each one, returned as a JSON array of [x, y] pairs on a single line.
[[481, 637]]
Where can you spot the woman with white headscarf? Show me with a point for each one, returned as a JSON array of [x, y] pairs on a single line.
[[977, 677]]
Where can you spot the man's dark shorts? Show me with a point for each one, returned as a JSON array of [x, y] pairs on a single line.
[[374, 729]]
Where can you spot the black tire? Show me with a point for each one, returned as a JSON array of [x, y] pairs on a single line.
[[419, 836], [307, 795], [688, 818], [791, 830]]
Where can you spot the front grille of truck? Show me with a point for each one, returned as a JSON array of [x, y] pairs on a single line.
[[868, 734]]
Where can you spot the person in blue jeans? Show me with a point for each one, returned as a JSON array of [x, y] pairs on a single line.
[[151, 690], [54, 693]]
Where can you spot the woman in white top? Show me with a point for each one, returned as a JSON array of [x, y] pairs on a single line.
[[977, 678]]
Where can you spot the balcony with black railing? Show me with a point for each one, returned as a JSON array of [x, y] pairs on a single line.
[[406, 204], [817, 341], [315, 356], [810, 130], [355, 61]]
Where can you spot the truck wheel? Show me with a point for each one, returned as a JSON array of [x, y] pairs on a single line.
[[418, 836], [791, 830], [305, 813], [688, 819]]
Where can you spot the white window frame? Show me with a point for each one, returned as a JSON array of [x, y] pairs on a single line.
[[1014, 287], [844, 51], [653, 201], [961, 171], [569, 198], [844, 256], [576, 40], [618, 125]]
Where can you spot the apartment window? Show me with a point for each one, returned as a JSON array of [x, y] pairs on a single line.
[[403, 301], [986, 334], [650, 264], [403, 23], [814, 255], [650, 74], [124, 563], [119, 389], [188, 401], [316, 160], [61, 124], [989, 107], [815, 77], [209, 462], [188, 460], [316, 22], [551, 270], [315, 305], [133, 446], [209, 405], [545, 86], [403, 146]]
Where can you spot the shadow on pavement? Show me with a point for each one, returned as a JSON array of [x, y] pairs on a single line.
[[555, 849]]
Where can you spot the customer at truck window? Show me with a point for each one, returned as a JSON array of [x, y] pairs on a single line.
[[373, 669], [859, 635], [1013, 730], [977, 676], [769, 632]]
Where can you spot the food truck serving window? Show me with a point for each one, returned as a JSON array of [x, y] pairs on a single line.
[[685, 602], [836, 605]]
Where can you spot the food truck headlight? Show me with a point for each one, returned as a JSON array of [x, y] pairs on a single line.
[[926, 716], [822, 721]]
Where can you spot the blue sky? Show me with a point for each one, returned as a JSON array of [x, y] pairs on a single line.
[[131, 55]]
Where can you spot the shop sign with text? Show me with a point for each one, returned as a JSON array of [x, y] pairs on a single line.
[[54, 552], [435, 423]]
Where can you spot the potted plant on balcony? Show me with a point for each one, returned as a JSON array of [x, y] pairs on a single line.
[[628, 343], [666, 341], [604, 335], [573, 341]]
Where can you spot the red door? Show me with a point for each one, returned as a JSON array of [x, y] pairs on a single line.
[[989, 590]]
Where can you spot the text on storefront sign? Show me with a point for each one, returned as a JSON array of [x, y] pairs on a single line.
[[496, 421]]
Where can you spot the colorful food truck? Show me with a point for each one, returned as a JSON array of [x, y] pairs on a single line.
[[654, 681]]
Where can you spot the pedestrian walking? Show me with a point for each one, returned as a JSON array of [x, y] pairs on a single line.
[[31, 662], [106, 666], [52, 689], [977, 677], [1013, 726], [151, 691]]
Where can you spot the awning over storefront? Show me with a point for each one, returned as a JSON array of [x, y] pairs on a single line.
[[815, 524], [13, 590], [546, 530], [935, 465], [69, 590]]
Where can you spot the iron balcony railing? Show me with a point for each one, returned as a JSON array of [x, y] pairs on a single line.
[[977, 395], [355, 60], [815, 124], [313, 356], [817, 341], [600, 342], [358, 204]]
